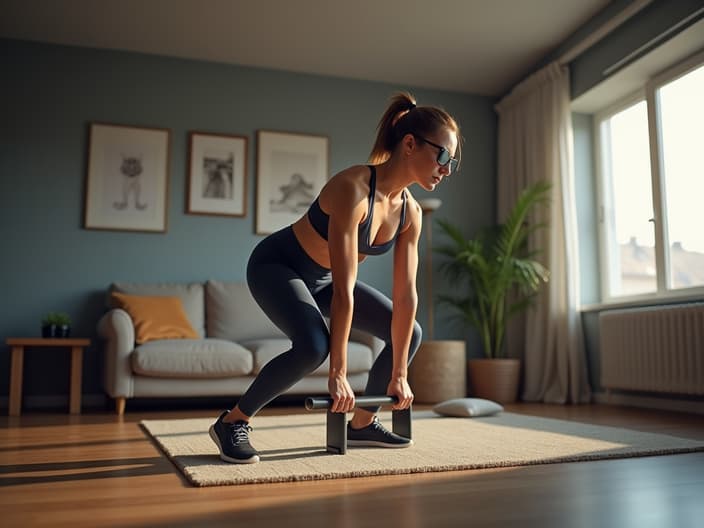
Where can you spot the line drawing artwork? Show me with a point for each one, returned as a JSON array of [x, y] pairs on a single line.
[[295, 196], [217, 172], [132, 174], [292, 168], [218, 177], [292, 183], [127, 178]]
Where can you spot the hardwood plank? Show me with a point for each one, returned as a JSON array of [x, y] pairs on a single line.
[[99, 469]]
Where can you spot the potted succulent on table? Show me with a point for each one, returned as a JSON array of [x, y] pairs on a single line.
[[56, 324], [502, 278]]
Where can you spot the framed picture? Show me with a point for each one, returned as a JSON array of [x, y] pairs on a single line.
[[291, 170], [127, 178], [217, 174]]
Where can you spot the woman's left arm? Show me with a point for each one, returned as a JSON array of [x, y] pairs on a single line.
[[405, 302]]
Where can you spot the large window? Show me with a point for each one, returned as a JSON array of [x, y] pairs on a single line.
[[651, 167], [681, 119]]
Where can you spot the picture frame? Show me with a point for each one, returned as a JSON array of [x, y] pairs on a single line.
[[217, 174], [292, 168], [127, 178]]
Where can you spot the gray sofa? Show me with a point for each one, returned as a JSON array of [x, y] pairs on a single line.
[[235, 341]]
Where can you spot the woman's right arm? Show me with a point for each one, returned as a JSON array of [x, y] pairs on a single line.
[[346, 204]]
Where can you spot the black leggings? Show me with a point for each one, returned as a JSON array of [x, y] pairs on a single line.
[[296, 292]]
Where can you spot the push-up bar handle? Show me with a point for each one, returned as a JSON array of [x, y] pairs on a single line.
[[360, 401]]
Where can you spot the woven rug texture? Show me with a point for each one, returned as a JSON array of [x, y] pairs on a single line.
[[292, 447]]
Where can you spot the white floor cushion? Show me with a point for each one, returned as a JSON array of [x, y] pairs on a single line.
[[468, 407]]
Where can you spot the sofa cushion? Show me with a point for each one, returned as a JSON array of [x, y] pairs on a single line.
[[155, 317], [191, 296], [233, 314], [191, 358], [359, 356]]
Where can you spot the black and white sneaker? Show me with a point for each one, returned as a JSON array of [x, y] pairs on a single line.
[[375, 435], [233, 441]]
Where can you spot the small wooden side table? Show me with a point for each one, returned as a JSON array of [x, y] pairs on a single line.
[[18, 345]]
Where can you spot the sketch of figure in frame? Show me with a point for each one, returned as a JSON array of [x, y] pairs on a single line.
[[218, 175], [293, 185], [295, 196], [132, 170]]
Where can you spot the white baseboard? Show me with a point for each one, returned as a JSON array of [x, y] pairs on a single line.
[[649, 402]]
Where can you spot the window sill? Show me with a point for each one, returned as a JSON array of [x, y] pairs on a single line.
[[693, 295]]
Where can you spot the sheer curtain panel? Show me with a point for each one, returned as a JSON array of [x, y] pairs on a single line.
[[535, 143]]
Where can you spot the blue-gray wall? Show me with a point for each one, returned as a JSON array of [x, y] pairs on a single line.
[[49, 262], [587, 215], [587, 232]]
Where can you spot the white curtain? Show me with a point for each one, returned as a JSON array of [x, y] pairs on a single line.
[[535, 143]]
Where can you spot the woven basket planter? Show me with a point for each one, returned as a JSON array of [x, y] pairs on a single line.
[[495, 379], [437, 372]]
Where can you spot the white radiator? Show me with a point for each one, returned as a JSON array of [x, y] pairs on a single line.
[[658, 349]]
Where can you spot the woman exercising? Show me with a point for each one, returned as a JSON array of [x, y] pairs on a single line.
[[308, 270]]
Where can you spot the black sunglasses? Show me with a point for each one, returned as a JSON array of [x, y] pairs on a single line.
[[444, 157]]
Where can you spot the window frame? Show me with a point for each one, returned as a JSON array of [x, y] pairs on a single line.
[[647, 93]]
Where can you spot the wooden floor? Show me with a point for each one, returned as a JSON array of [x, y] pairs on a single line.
[[99, 470]]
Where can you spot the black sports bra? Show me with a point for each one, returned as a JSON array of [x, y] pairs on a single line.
[[319, 220]]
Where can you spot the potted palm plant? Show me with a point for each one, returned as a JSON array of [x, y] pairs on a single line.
[[502, 277]]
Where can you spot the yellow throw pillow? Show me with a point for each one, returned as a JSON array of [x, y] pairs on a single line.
[[155, 317]]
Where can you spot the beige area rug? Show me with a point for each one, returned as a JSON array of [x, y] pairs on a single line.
[[292, 448]]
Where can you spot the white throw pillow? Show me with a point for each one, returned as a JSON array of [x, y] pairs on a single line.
[[468, 407]]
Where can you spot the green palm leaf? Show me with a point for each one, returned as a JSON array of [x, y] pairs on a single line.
[[494, 263]]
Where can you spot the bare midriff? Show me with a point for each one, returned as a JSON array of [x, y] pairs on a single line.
[[312, 243]]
